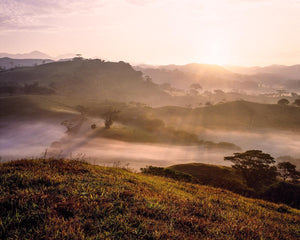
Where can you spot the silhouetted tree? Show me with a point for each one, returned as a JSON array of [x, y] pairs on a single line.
[[255, 167], [78, 57], [109, 117], [288, 170], [283, 101]]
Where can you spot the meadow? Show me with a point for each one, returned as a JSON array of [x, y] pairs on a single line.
[[69, 199]]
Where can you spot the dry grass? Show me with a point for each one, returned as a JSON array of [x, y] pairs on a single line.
[[61, 199]]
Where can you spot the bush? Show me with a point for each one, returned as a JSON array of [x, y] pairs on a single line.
[[283, 192], [283, 101]]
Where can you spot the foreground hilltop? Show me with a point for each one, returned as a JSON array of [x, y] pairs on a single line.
[[61, 199]]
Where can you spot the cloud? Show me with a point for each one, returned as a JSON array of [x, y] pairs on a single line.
[[140, 2], [32, 14]]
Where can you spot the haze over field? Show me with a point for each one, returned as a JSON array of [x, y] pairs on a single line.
[[32, 139]]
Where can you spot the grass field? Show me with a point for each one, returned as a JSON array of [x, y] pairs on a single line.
[[63, 199]]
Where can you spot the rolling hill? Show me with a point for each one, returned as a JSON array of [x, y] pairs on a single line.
[[233, 115], [62, 199], [93, 79], [207, 75], [287, 72]]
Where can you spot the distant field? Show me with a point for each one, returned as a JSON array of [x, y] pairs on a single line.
[[60, 199], [233, 115], [36, 106]]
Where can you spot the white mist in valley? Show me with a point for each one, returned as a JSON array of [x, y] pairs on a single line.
[[278, 143], [31, 139]]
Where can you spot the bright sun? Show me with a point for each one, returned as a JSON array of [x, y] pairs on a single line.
[[216, 55]]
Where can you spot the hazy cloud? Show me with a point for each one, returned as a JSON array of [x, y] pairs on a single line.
[[32, 14], [140, 2]]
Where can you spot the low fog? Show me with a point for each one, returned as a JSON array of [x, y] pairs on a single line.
[[35, 139]]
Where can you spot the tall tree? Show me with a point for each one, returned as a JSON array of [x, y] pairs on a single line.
[[288, 170], [255, 166]]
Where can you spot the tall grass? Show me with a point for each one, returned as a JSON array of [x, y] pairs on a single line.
[[62, 199]]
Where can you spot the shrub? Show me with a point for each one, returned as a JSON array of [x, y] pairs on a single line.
[[283, 192]]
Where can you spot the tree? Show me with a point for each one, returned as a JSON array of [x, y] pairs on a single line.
[[283, 101], [288, 170], [109, 117], [255, 167]]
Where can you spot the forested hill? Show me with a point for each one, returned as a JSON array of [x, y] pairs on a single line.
[[88, 78]]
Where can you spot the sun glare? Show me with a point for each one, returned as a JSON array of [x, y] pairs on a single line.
[[216, 55]]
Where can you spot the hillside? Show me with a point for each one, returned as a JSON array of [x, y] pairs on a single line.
[[207, 75], [61, 199], [287, 72], [93, 79], [217, 176], [234, 115], [34, 107]]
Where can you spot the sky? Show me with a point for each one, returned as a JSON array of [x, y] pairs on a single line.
[[226, 32]]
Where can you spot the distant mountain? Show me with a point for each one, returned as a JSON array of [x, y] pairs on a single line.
[[208, 76], [31, 55], [8, 63], [37, 55], [287, 72], [217, 77]]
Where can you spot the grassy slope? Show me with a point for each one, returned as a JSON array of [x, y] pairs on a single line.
[[214, 175], [233, 115], [35, 106], [61, 199]]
